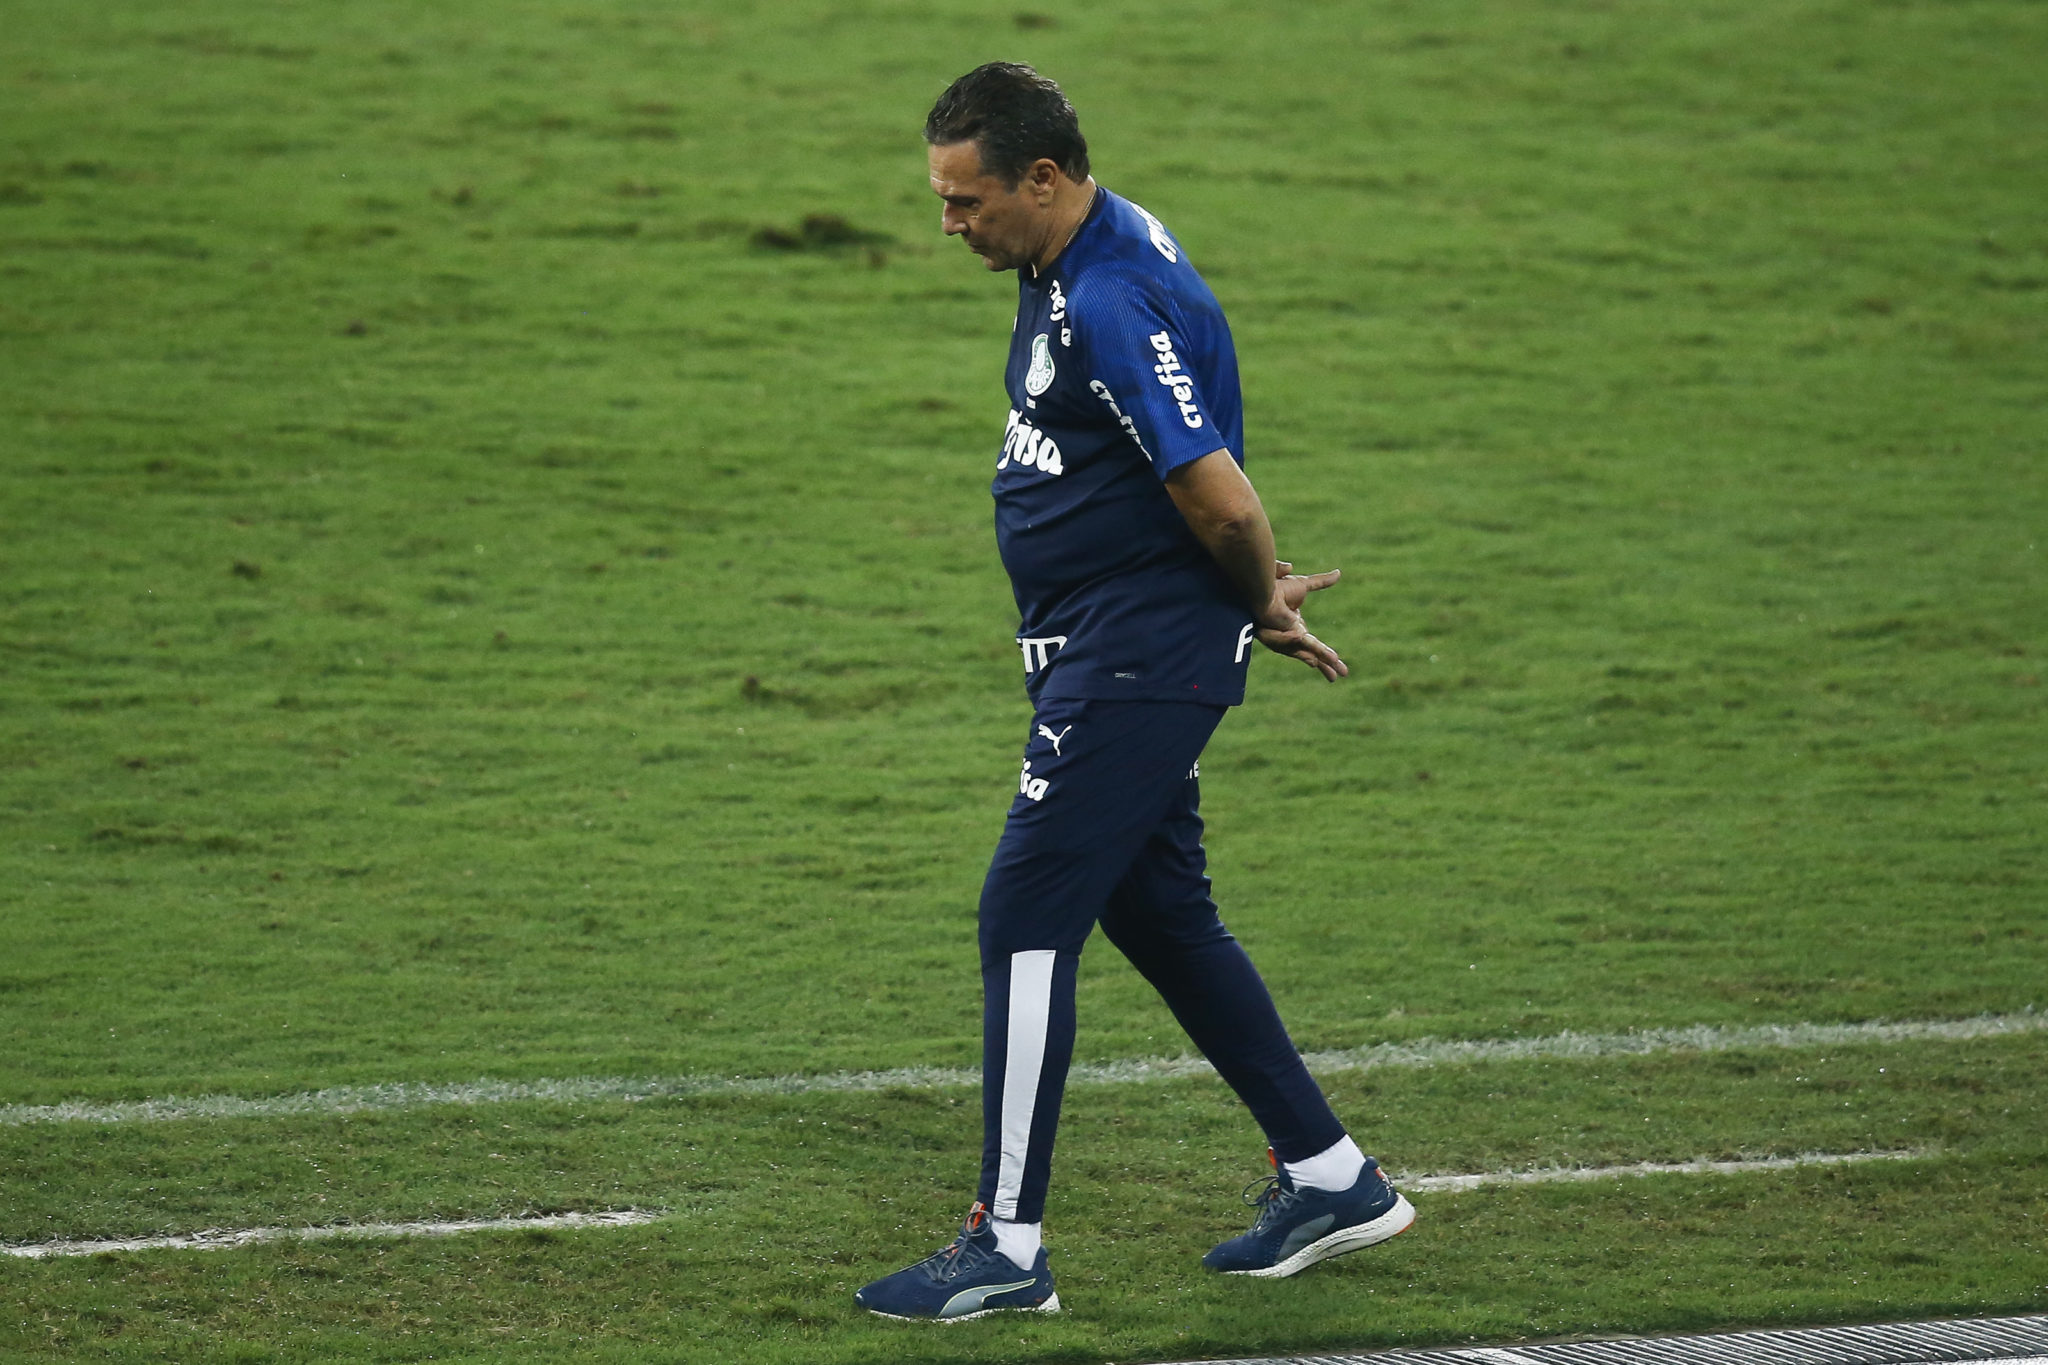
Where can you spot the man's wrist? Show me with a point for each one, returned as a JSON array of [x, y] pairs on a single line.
[[1275, 615]]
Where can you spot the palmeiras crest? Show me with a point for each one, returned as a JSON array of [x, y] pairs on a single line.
[[1039, 378]]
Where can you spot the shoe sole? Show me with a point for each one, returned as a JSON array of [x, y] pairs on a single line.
[[1392, 1223], [1051, 1305]]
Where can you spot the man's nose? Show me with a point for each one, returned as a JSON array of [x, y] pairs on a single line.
[[952, 221]]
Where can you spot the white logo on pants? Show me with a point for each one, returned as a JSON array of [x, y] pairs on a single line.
[[1244, 640], [1033, 787]]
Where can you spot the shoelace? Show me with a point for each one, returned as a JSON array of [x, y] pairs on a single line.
[[1271, 1201], [958, 1259]]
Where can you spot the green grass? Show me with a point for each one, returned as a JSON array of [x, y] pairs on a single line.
[[775, 1216], [1671, 1253], [470, 607]]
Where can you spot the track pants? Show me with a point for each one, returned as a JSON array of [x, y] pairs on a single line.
[[1106, 828]]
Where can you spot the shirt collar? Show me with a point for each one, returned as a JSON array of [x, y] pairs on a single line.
[[1098, 199]]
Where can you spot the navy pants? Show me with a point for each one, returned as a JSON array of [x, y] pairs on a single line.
[[1106, 828]]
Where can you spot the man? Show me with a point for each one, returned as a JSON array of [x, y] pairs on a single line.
[[1144, 570]]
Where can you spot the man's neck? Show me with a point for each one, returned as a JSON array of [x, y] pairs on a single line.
[[1067, 219]]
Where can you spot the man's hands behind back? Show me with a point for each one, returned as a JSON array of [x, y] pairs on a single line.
[[1223, 510], [1281, 629]]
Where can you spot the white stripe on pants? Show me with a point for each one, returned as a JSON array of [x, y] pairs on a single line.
[[1024, 1061]]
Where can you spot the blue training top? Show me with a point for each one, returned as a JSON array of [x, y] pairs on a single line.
[[1121, 370]]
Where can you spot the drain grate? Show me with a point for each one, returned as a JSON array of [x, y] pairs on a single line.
[[1985, 1341]]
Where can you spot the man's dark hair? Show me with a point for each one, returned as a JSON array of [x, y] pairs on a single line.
[[1015, 116]]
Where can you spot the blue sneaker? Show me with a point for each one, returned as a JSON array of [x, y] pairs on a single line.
[[962, 1281], [1297, 1228]]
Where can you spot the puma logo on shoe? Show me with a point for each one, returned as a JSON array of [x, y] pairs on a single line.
[[971, 1300], [1303, 1235]]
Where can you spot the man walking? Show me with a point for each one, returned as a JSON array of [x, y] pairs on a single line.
[[1144, 571]]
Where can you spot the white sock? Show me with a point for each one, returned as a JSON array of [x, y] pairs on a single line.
[[1335, 1168], [1018, 1241]]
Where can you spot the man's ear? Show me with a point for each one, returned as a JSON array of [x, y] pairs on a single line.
[[1045, 179]]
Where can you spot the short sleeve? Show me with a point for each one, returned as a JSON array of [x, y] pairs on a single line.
[[1139, 365]]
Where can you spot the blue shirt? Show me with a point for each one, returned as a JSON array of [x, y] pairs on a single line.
[[1121, 370]]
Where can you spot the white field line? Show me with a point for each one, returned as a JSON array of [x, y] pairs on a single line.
[[1454, 1184], [219, 1240], [1426, 1052]]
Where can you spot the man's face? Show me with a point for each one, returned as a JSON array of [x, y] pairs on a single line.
[[1005, 227]]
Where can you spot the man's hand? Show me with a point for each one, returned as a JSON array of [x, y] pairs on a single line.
[[1223, 510], [1281, 629]]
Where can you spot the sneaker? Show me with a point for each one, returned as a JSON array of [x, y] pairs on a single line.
[[962, 1281], [1298, 1227]]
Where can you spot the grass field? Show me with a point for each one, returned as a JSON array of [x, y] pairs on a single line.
[[486, 591]]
